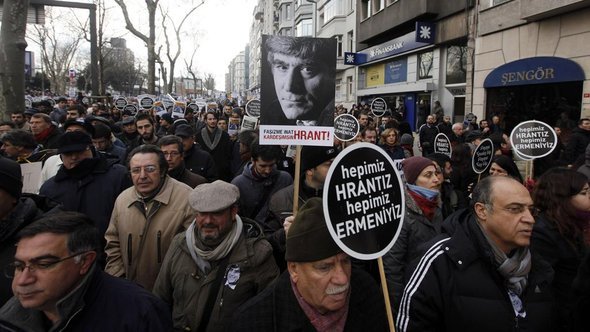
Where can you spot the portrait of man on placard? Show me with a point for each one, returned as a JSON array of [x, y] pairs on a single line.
[[298, 81]]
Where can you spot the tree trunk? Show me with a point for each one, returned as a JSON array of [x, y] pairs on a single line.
[[12, 56], [151, 45]]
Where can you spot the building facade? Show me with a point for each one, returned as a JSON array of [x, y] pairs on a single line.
[[532, 61], [412, 53]]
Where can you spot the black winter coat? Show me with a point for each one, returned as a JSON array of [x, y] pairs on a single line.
[[276, 309], [455, 287], [27, 210], [565, 258], [103, 303], [94, 194]]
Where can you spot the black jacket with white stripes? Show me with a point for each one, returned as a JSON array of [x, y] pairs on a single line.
[[455, 287]]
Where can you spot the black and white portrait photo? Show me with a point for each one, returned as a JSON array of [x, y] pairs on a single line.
[[298, 81]]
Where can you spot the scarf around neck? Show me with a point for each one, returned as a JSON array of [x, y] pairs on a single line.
[[427, 200], [207, 139], [514, 269], [203, 257], [333, 321]]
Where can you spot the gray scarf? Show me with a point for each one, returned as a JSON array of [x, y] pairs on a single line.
[[203, 257], [515, 269], [207, 139]]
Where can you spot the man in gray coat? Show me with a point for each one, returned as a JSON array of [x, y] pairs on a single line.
[[220, 262]]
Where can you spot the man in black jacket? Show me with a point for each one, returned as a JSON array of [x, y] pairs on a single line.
[[320, 291], [575, 148], [483, 277], [58, 286], [86, 182], [195, 159]]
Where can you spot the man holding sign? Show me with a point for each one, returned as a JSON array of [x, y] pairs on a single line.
[[320, 291]]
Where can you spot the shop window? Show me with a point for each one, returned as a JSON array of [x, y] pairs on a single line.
[[425, 61], [456, 64]]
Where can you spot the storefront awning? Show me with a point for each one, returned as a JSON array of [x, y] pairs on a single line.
[[537, 70]]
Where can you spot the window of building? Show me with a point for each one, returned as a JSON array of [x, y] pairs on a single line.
[[288, 11], [339, 51], [425, 61], [334, 8], [457, 64], [390, 2], [338, 88], [365, 9], [350, 38], [349, 88], [497, 2], [378, 5], [304, 28]]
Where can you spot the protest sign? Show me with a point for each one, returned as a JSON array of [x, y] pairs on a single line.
[[482, 156], [364, 201], [131, 108], [146, 102], [120, 103], [28, 102], [533, 139], [378, 107], [346, 127], [291, 96], [31, 175], [193, 107], [253, 108], [442, 144], [178, 110]]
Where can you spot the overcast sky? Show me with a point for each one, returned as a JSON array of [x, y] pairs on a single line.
[[220, 27]]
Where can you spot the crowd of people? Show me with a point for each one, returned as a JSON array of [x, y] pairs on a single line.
[[153, 223]]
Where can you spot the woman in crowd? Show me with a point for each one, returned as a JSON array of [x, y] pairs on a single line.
[[422, 221], [504, 166], [390, 143], [562, 195]]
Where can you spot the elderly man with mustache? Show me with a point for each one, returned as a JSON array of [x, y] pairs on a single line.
[[320, 291]]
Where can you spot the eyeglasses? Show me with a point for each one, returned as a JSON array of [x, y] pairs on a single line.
[[172, 154], [15, 268], [520, 208], [147, 169]]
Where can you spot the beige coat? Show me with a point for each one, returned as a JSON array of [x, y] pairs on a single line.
[[137, 241]]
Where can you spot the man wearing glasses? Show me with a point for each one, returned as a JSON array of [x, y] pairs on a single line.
[[145, 218], [57, 285], [483, 277], [172, 148]]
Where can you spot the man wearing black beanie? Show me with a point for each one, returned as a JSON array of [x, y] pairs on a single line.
[[320, 291]]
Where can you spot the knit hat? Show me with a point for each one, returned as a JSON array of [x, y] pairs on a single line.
[[211, 197], [472, 135], [73, 141], [406, 139], [312, 156], [184, 131], [10, 177], [413, 166], [167, 117], [308, 239], [79, 122]]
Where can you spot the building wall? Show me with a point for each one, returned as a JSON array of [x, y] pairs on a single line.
[[565, 36]]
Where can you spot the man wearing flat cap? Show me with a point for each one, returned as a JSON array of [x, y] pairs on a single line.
[[320, 291], [220, 262], [86, 182]]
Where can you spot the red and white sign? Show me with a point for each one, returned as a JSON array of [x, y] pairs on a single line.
[[296, 135]]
